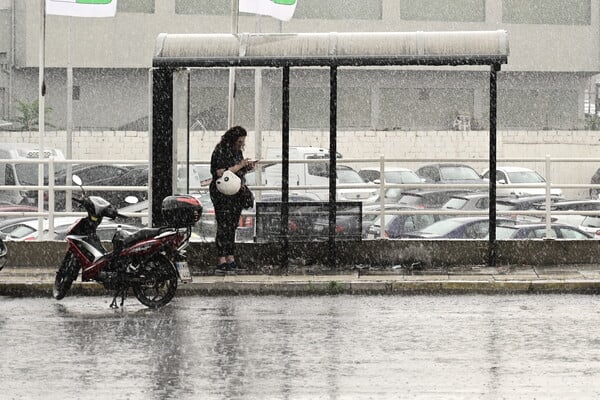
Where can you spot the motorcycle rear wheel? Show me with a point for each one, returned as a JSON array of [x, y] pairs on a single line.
[[65, 276], [160, 282]]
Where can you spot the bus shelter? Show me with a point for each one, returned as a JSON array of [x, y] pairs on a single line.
[[176, 52]]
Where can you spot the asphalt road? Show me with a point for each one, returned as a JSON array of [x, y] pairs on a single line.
[[329, 347]]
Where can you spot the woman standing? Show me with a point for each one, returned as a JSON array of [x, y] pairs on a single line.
[[228, 155]]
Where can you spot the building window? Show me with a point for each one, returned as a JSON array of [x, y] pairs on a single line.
[[195, 7], [551, 12], [136, 6], [76, 92], [443, 10], [338, 9]]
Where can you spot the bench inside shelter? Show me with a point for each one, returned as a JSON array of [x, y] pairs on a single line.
[[308, 221]]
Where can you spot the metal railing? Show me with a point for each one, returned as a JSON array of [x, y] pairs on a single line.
[[46, 210]]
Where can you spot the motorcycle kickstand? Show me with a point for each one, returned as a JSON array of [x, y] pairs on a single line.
[[123, 294]]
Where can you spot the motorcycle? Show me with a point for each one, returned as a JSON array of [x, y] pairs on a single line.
[[3, 251], [150, 261]]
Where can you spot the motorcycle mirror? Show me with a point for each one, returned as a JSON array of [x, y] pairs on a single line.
[[131, 199], [77, 180]]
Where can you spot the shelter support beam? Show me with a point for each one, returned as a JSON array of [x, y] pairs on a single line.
[[492, 245], [285, 166], [332, 164], [161, 157]]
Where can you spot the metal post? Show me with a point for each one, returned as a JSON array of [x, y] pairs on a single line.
[[332, 254], [492, 245], [161, 162], [285, 167]]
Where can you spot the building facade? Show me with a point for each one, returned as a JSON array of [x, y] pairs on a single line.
[[554, 53]]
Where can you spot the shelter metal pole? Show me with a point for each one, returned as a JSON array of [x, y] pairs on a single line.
[[285, 167], [332, 164], [161, 161], [492, 245]]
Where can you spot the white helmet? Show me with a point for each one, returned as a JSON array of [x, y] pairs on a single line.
[[229, 183]]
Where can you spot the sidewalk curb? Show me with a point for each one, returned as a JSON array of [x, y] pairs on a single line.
[[311, 287]]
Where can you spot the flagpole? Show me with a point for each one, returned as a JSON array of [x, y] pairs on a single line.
[[69, 114], [235, 7], [41, 108]]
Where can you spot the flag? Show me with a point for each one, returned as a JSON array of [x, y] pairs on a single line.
[[280, 9], [82, 8]]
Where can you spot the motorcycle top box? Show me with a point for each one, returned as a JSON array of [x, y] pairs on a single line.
[[181, 210]]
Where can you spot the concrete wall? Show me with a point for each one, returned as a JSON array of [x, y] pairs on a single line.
[[470, 145], [264, 257]]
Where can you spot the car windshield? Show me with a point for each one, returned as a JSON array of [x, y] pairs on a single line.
[[401, 177], [457, 173], [349, 176], [504, 232], [410, 200], [27, 174], [591, 222], [525, 177], [455, 203], [441, 227]]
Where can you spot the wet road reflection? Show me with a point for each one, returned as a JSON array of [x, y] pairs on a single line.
[[430, 347]]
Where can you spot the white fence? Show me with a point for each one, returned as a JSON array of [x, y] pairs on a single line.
[[548, 163]]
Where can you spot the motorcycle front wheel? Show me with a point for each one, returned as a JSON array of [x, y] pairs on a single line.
[[159, 282], [65, 276]]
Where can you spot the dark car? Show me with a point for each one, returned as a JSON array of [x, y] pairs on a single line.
[[538, 231], [396, 226], [425, 198], [372, 213], [105, 175], [449, 173], [505, 204], [458, 228]]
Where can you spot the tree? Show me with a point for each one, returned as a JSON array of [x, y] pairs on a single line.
[[29, 114]]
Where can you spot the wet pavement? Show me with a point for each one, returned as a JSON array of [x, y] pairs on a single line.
[[312, 347], [33, 281]]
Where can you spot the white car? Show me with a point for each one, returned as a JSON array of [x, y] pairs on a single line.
[[392, 175], [519, 175]]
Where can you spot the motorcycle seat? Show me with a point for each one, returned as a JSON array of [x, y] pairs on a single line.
[[142, 234]]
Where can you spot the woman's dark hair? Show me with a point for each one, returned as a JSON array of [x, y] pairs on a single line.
[[232, 135]]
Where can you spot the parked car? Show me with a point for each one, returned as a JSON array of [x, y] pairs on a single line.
[[396, 226], [392, 175], [369, 217], [538, 231], [105, 175], [20, 229], [521, 204], [199, 177], [591, 224], [448, 173], [422, 198], [519, 175], [458, 228], [573, 205], [8, 207], [475, 201]]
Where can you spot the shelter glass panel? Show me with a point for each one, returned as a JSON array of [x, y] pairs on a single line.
[[414, 108], [533, 108], [552, 12], [443, 10]]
